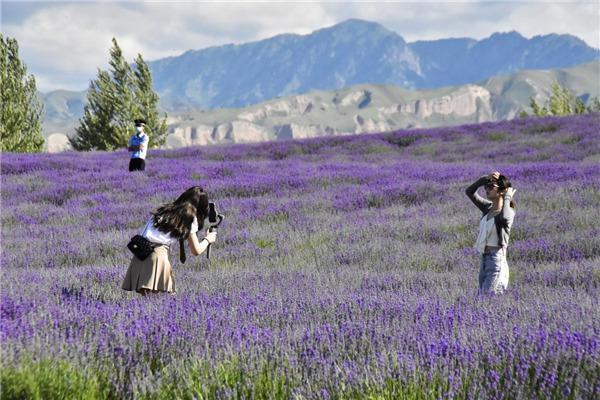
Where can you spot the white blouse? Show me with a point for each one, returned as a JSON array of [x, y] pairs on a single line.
[[488, 236], [152, 233]]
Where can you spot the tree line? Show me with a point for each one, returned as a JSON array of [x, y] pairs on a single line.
[[124, 93], [114, 100], [562, 102]]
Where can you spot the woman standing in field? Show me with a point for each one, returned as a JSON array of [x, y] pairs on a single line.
[[494, 229], [180, 219]]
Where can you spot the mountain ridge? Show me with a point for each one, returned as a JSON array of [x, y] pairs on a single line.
[[369, 108], [351, 52]]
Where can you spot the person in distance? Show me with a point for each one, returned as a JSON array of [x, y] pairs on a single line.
[[181, 219], [494, 229], [138, 146]]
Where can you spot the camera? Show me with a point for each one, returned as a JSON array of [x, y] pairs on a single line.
[[214, 220]]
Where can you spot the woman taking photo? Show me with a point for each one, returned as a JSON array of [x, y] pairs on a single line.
[[494, 229], [180, 219]]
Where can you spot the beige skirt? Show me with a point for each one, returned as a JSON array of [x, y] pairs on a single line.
[[154, 273]]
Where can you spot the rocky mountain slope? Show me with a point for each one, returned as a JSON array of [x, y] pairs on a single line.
[[378, 108], [350, 53], [364, 108]]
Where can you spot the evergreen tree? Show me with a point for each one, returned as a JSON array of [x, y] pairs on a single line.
[[115, 99], [595, 107], [579, 106], [537, 110], [96, 130], [147, 102], [125, 107], [21, 110], [561, 101]]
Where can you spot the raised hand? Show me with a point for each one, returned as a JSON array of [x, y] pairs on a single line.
[[494, 175], [211, 236]]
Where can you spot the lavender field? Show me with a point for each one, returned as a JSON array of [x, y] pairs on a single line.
[[344, 269]]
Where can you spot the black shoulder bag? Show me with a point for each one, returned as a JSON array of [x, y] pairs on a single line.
[[140, 246]]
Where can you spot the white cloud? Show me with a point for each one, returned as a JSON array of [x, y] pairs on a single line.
[[64, 43], [430, 20], [581, 19]]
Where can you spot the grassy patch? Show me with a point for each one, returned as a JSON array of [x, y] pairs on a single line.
[[425, 149], [377, 149], [570, 139], [231, 379], [401, 140], [496, 136], [539, 129], [264, 243], [51, 379]]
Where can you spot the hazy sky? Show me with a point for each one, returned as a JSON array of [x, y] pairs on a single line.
[[63, 43]]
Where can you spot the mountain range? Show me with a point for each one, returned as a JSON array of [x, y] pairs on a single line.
[[209, 87], [352, 52], [378, 108], [370, 108]]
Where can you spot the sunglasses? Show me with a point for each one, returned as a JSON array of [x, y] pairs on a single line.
[[490, 186]]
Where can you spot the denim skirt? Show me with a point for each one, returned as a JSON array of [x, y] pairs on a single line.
[[493, 273]]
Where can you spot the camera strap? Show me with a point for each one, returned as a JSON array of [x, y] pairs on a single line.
[[181, 251]]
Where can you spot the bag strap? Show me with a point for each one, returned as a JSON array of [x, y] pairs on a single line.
[[146, 227]]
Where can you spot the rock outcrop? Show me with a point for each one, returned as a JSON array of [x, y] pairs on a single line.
[[190, 136], [360, 99], [462, 102], [228, 132], [294, 106], [369, 125], [295, 131]]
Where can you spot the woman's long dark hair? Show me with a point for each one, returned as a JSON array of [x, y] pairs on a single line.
[[503, 184], [176, 218]]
